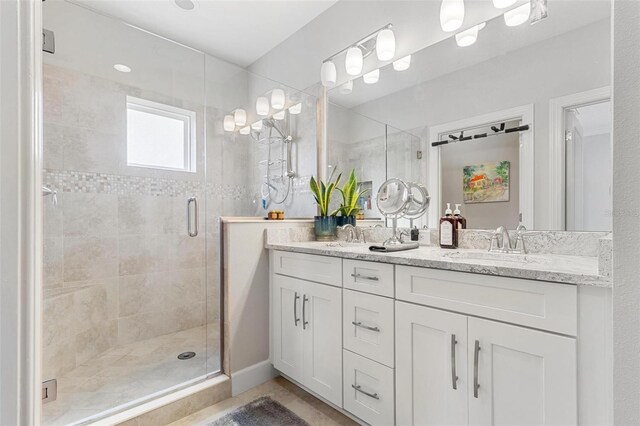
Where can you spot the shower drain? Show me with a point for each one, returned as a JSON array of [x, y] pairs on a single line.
[[186, 355]]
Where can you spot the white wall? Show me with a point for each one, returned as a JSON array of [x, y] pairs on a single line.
[[597, 183], [575, 62], [626, 220]]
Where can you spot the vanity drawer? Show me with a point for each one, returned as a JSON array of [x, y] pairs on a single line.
[[537, 304], [368, 326], [370, 277], [310, 267], [373, 400]]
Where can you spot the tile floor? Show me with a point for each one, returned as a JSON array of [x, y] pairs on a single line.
[[125, 373], [302, 403]]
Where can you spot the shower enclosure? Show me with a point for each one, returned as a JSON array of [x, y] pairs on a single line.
[[141, 170]]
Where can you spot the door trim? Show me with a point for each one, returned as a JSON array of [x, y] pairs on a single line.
[[557, 164]]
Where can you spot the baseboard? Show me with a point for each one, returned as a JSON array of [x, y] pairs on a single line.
[[252, 376]]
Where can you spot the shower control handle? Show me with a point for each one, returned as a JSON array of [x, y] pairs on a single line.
[[192, 201]]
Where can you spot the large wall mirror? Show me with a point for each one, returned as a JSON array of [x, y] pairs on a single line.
[[515, 127]]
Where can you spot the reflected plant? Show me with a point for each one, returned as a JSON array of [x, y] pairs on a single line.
[[351, 193]]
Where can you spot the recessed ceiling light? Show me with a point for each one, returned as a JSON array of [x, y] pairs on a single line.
[[122, 68], [185, 4]]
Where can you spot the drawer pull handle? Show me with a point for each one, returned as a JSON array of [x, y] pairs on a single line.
[[367, 327], [359, 389], [476, 385], [365, 277], [454, 376], [296, 320]]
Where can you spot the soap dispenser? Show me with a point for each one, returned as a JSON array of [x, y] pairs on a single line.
[[448, 229], [462, 222]]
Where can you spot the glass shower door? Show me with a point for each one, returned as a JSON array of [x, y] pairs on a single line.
[[126, 289]]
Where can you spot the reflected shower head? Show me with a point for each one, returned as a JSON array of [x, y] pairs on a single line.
[[271, 123]]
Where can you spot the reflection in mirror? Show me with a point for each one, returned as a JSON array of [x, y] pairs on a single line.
[[516, 75]]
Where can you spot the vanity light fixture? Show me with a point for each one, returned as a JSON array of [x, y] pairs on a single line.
[[371, 77], [382, 41], [402, 64], [257, 126], [279, 115], [277, 98], [240, 117], [501, 4], [229, 123], [451, 14], [468, 37], [122, 68], [385, 45], [346, 88], [328, 74], [262, 106], [295, 109], [518, 16], [354, 61], [245, 130]]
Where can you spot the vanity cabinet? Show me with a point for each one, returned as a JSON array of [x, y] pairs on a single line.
[[453, 370], [395, 344], [305, 343]]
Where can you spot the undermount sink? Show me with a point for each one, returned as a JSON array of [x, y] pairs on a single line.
[[493, 256]]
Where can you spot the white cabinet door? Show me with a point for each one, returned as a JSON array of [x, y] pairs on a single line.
[[431, 351], [322, 337], [286, 325], [524, 377]]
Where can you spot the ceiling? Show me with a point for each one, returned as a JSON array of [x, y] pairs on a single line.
[[237, 31]]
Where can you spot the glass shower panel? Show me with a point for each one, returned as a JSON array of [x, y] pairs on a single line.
[[359, 143], [125, 262]]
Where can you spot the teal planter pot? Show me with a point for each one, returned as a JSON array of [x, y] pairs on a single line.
[[325, 227], [346, 220]]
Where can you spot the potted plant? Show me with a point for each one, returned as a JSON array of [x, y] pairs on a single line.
[[324, 224], [351, 193]]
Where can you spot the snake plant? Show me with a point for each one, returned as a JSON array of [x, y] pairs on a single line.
[[322, 192], [351, 192]]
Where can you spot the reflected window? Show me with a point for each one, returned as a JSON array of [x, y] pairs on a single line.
[[160, 136]]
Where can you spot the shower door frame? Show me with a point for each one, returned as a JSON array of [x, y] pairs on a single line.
[[21, 211]]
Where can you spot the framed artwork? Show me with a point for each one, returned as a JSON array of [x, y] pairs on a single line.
[[486, 183]]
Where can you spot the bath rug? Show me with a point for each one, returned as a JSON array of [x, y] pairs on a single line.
[[261, 412]]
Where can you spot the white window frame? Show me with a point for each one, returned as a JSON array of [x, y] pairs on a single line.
[[164, 110]]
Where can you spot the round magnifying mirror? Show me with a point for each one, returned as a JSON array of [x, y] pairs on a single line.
[[419, 200], [392, 198]]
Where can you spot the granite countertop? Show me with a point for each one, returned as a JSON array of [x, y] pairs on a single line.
[[560, 268]]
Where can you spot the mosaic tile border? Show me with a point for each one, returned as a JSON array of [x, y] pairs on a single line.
[[105, 183]]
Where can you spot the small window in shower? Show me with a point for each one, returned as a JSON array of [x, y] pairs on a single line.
[[160, 136]]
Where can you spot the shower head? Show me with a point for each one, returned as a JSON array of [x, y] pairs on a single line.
[[271, 123]]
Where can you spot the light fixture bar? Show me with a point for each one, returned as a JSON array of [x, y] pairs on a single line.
[[360, 42]]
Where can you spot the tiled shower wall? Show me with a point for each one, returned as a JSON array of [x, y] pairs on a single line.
[[119, 266]]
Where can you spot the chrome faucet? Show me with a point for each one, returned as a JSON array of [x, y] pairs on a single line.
[[354, 233], [519, 247], [500, 241], [351, 231]]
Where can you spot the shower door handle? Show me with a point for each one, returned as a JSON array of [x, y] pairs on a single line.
[[193, 201]]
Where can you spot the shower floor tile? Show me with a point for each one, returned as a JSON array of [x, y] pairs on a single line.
[[126, 373]]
